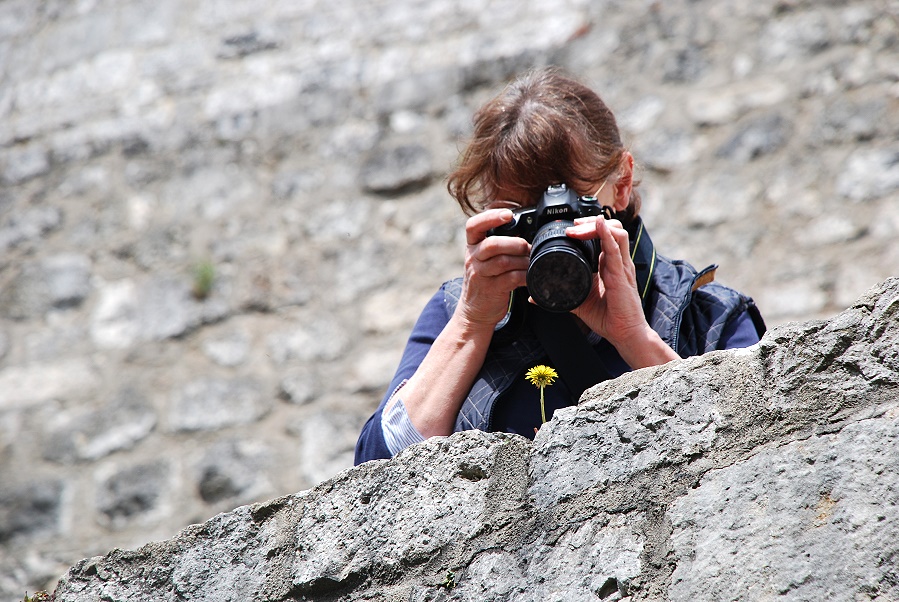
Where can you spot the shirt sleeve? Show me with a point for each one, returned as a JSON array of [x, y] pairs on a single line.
[[372, 443], [398, 430]]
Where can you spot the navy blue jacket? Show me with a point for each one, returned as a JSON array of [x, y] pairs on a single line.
[[691, 317]]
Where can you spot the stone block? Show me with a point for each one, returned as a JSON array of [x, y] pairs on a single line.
[[31, 225], [795, 36], [32, 384], [667, 151], [300, 385], [85, 435], [209, 404], [231, 349], [233, 470], [870, 174], [757, 137], [849, 122], [24, 163], [393, 170], [830, 494], [327, 442], [32, 510], [133, 494], [320, 340], [15, 17]]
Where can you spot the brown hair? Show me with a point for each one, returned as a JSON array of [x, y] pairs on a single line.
[[544, 128]]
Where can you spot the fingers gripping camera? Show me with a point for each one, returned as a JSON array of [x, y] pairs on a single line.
[[560, 272]]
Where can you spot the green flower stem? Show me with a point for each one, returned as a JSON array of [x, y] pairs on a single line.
[[541, 376], [542, 406]]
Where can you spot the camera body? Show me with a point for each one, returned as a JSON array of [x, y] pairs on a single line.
[[560, 271]]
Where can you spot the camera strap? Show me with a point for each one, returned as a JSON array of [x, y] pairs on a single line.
[[568, 349]]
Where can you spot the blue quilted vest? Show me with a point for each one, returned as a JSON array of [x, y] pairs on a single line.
[[687, 310]]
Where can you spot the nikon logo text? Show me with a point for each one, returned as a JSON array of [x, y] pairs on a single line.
[[556, 210]]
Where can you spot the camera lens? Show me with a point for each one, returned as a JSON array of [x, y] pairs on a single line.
[[559, 277]]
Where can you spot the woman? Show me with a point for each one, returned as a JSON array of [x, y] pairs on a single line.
[[465, 362]]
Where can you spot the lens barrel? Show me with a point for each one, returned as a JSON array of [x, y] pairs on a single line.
[[559, 276]]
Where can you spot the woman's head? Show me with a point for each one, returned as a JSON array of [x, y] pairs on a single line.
[[544, 128]]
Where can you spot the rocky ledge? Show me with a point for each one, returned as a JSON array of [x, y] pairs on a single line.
[[748, 474]]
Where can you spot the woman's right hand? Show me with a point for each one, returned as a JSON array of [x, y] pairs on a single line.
[[494, 267]]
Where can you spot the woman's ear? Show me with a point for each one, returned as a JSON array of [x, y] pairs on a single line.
[[624, 185]]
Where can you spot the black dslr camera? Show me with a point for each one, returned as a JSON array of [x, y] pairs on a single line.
[[560, 273]]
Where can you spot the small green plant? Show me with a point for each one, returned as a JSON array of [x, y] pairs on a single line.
[[204, 278], [38, 597], [541, 376], [449, 582]]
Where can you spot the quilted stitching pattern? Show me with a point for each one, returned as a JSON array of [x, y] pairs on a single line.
[[500, 367]]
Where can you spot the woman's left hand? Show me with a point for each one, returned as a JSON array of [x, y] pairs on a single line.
[[613, 309]]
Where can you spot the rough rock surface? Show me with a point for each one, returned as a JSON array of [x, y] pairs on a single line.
[[754, 474], [295, 151]]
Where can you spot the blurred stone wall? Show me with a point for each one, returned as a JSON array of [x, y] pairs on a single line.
[[296, 149]]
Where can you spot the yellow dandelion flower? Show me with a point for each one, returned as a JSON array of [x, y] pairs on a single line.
[[541, 376]]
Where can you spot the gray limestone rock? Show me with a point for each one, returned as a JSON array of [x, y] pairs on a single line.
[[132, 494], [211, 403], [298, 386], [30, 510], [232, 469], [21, 165], [130, 312], [57, 282], [32, 384], [395, 169], [810, 520], [324, 339], [846, 120], [758, 137], [149, 136], [746, 474], [29, 226], [666, 151], [870, 174], [78, 436], [230, 349]]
